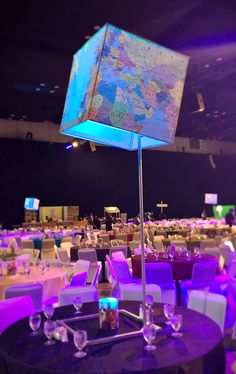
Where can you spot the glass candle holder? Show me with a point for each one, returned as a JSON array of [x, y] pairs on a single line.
[[108, 313]]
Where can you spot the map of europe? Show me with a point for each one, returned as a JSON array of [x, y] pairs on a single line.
[[127, 82]]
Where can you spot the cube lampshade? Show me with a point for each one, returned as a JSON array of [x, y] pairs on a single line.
[[122, 87]]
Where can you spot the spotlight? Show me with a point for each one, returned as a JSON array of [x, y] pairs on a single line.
[[75, 144]]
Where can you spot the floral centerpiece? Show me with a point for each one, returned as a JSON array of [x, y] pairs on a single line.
[[9, 257]]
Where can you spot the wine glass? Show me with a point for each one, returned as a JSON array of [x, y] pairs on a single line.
[[48, 310], [171, 255], [37, 263], [35, 322], [149, 301], [169, 311], [80, 341], [49, 328], [176, 323], [28, 271], [48, 265], [42, 265], [77, 302], [188, 254], [149, 334]]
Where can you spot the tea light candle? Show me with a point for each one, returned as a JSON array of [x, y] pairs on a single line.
[[108, 313]]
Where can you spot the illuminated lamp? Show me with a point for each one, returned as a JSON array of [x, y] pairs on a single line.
[[125, 91]]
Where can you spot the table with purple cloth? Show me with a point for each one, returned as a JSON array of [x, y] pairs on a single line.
[[181, 266], [198, 351]]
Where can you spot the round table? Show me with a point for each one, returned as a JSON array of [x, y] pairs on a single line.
[[199, 350], [181, 266], [52, 280]]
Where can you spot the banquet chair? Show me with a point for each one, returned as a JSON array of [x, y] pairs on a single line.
[[105, 238], [81, 266], [90, 255], [133, 244], [78, 239], [79, 279], [48, 251], [203, 276], [67, 239], [136, 236], [207, 243], [135, 292], [96, 275], [62, 255], [67, 246], [27, 244], [122, 272], [14, 309], [118, 248], [14, 245], [213, 251], [110, 276], [34, 290], [157, 242], [86, 293], [210, 304], [161, 274], [178, 243], [232, 269]]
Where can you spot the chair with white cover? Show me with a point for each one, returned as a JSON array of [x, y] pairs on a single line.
[[86, 293], [118, 248], [79, 280], [67, 239], [90, 255], [135, 292], [48, 251], [210, 304], [138, 251], [78, 239], [14, 245], [207, 243], [161, 274], [111, 277], [122, 272], [67, 246], [81, 266], [232, 269], [203, 276], [27, 244], [213, 251], [14, 309], [122, 237], [137, 236], [62, 255], [133, 244], [34, 290]]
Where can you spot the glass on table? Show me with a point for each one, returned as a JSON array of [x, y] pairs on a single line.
[[188, 255], [35, 322], [49, 328], [149, 334], [80, 340], [48, 265], [176, 323], [78, 303], [48, 310], [169, 311], [28, 271]]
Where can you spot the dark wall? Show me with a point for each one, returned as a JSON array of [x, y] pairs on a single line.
[[106, 177]]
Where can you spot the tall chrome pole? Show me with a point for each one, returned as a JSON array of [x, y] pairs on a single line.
[[140, 175]]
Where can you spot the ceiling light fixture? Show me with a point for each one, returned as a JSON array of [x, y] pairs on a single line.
[[51, 91], [56, 87], [87, 37], [42, 84], [206, 66], [37, 89], [96, 27], [218, 59]]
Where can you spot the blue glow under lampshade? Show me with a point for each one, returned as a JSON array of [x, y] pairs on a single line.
[[122, 87]]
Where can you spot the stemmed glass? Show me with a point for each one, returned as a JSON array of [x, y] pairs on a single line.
[[169, 311], [176, 323], [37, 263], [188, 254], [78, 303], [42, 265], [149, 304], [48, 265], [80, 340], [28, 271], [34, 322], [48, 310], [49, 328], [149, 334], [171, 255]]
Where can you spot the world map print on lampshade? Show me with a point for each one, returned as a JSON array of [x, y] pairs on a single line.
[[121, 87]]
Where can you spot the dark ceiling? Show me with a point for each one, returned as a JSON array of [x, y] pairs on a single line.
[[39, 37]]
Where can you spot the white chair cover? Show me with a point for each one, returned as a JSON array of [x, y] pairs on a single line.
[[82, 266], [135, 292], [161, 274], [210, 304], [34, 290], [122, 272], [14, 309], [87, 294]]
